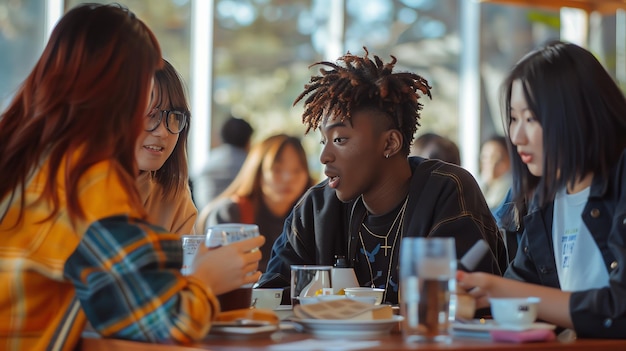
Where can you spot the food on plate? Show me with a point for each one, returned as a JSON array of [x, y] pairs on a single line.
[[347, 309]]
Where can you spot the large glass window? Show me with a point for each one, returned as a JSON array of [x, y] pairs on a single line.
[[261, 50], [21, 43], [506, 34], [424, 36], [170, 22]]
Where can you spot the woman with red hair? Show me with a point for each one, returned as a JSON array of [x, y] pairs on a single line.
[[75, 245]]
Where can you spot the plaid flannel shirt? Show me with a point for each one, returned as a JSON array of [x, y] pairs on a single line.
[[111, 267]]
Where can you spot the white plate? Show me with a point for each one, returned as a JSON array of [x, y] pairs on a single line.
[[482, 329], [348, 328], [239, 331]]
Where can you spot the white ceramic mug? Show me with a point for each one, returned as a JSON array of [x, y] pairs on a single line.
[[516, 312]]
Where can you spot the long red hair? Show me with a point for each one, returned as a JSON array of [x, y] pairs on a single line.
[[89, 91]]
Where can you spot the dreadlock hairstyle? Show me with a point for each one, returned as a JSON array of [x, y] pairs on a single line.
[[364, 84]]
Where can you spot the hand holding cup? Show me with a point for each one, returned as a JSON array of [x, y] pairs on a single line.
[[229, 267]]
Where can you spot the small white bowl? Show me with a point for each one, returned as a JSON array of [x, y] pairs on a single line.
[[365, 293], [518, 312]]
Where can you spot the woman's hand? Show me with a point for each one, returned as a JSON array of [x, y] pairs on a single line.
[[226, 268], [477, 285], [554, 305]]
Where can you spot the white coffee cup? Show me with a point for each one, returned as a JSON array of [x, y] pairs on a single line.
[[517, 312]]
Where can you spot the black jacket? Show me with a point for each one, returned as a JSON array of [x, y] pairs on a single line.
[[595, 312], [444, 200]]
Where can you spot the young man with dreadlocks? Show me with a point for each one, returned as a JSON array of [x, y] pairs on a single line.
[[374, 195]]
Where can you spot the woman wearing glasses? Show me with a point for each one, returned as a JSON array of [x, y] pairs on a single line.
[[161, 155]]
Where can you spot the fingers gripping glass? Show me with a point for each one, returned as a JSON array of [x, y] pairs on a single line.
[[175, 121]]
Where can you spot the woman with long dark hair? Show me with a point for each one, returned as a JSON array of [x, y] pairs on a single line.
[[567, 126]]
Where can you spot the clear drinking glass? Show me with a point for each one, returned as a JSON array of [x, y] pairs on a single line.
[[224, 234], [427, 283]]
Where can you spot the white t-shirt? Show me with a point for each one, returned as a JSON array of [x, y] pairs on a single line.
[[579, 263]]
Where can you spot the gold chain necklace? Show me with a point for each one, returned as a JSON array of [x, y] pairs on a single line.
[[386, 236], [400, 226]]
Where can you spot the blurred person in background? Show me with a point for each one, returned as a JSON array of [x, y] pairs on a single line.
[[225, 161], [495, 170], [566, 128], [432, 145], [273, 177], [75, 244], [162, 156]]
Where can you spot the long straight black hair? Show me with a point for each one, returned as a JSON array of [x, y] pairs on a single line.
[[582, 112]]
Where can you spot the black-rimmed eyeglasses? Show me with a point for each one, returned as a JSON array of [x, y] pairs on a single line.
[[175, 121]]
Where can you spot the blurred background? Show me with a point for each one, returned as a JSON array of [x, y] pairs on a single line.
[[250, 58]]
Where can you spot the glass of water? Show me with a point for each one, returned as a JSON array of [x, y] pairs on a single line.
[[427, 286]]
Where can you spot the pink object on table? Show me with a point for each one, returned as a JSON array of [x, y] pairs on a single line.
[[531, 335]]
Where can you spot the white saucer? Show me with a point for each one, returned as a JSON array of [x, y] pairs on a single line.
[[239, 331], [330, 328], [482, 328]]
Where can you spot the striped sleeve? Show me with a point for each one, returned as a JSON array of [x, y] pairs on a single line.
[[127, 278]]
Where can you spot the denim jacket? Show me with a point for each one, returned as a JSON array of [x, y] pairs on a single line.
[[599, 313]]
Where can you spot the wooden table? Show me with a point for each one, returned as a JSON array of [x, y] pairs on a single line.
[[386, 343]]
